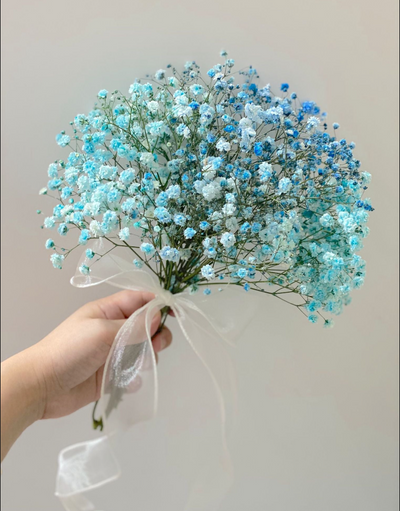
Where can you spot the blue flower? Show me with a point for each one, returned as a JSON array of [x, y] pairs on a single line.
[[103, 93], [49, 243]]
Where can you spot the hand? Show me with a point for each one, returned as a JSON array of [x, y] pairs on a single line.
[[63, 372]]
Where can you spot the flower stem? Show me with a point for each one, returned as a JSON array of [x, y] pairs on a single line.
[[97, 423]]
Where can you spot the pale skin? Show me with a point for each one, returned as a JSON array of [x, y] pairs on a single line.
[[63, 372]]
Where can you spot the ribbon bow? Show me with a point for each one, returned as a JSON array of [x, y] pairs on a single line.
[[129, 391]]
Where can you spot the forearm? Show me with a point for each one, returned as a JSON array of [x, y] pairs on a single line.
[[21, 397]]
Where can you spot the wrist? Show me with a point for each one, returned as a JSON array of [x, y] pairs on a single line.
[[22, 396]]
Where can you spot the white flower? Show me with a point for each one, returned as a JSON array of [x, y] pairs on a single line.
[[223, 145], [95, 228], [211, 191], [229, 209], [153, 106], [228, 239], [232, 224]]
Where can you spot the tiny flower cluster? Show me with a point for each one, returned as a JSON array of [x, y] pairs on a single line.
[[211, 180]]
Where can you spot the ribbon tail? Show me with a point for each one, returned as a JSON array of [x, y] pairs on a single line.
[[214, 479], [128, 396]]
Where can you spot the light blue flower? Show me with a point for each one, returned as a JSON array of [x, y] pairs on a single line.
[[180, 219], [62, 229], [196, 89], [169, 254], [148, 249], [163, 215], [84, 269], [160, 74], [189, 233], [124, 234], [62, 139], [127, 176], [284, 185], [242, 272], [138, 263], [49, 222], [52, 170], [208, 272], [57, 260], [326, 220], [173, 192], [49, 243], [84, 236]]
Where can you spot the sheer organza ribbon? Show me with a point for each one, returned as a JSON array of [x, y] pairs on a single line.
[[130, 389]]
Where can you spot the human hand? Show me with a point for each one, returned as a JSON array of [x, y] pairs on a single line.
[[63, 372]]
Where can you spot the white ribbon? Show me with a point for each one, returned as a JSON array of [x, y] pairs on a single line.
[[130, 390]]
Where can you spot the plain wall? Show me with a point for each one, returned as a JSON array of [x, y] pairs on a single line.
[[318, 408]]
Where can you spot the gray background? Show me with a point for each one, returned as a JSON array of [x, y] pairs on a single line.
[[318, 409]]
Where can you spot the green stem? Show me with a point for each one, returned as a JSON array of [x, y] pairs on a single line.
[[97, 423]]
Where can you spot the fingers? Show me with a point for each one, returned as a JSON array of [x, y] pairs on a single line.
[[113, 325], [119, 305], [162, 340]]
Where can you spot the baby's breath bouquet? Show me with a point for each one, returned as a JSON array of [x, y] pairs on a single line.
[[207, 182], [212, 180]]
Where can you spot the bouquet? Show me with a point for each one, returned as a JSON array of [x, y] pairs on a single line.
[[210, 181]]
